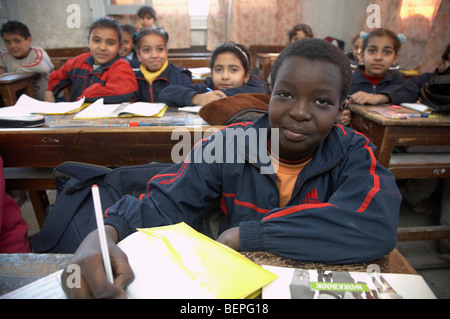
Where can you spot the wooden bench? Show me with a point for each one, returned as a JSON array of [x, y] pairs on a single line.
[[418, 165]]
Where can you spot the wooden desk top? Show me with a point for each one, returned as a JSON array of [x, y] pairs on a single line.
[[369, 113], [17, 270], [8, 78]]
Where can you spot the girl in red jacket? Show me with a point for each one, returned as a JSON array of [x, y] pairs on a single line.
[[100, 73]]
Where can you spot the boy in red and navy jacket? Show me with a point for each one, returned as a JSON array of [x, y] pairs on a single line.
[[100, 73]]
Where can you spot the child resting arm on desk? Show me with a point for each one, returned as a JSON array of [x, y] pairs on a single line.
[[230, 70], [373, 83], [100, 73], [318, 194]]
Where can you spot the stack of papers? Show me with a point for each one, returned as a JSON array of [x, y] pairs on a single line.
[[198, 73], [27, 105]]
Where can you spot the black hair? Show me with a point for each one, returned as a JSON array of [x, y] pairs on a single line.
[[128, 28], [380, 32], [146, 31], [317, 50], [106, 22], [15, 27], [301, 27], [143, 11], [238, 50], [446, 54]]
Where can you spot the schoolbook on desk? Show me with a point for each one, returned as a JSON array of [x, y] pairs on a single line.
[[99, 110], [174, 262], [322, 284]]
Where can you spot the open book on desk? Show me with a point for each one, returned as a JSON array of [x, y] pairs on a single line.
[[98, 110], [174, 262]]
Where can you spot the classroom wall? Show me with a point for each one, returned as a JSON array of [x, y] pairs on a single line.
[[339, 19], [47, 21]]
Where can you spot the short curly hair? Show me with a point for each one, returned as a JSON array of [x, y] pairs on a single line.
[[15, 27], [317, 50]]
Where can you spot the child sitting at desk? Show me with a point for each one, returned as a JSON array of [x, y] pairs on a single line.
[[373, 83], [319, 196], [146, 17], [127, 46], [21, 57], [100, 73], [156, 73], [230, 70]]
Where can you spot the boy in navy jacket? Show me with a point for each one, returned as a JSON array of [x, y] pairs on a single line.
[[317, 193]]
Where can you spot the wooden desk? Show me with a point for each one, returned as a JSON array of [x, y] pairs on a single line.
[[10, 83], [264, 62], [17, 270], [38, 150], [388, 133]]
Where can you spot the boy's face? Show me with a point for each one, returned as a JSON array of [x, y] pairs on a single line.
[[146, 21], [304, 105], [104, 45], [127, 44], [153, 52], [228, 72], [17, 45], [379, 56]]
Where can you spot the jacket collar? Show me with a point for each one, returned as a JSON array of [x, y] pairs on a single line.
[[102, 68]]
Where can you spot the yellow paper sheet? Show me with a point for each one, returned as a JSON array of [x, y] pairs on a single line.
[[220, 270]]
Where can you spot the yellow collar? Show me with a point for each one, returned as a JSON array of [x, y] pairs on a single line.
[[151, 76]]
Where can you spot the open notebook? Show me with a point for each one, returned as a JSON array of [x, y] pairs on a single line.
[[99, 110]]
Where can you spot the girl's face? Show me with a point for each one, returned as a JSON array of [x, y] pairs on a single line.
[[298, 36], [357, 47], [104, 45], [127, 44], [153, 52], [228, 72], [304, 105], [379, 56], [17, 45], [146, 21]]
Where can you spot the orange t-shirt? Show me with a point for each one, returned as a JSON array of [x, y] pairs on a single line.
[[286, 177]]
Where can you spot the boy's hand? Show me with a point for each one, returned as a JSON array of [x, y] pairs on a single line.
[[346, 118], [205, 98], [93, 282], [367, 98], [49, 97], [230, 237]]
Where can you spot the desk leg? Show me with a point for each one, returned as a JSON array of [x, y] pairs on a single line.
[[9, 96], [40, 203]]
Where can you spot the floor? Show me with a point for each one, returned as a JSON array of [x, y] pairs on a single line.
[[437, 278]]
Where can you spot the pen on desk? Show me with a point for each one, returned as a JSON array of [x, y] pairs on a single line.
[[101, 233]]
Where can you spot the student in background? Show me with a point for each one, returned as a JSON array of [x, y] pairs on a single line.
[[355, 55], [328, 201], [100, 73], [230, 75], [127, 46], [13, 228], [146, 16], [300, 31], [22, 57], [156, 73], [373, 82]]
